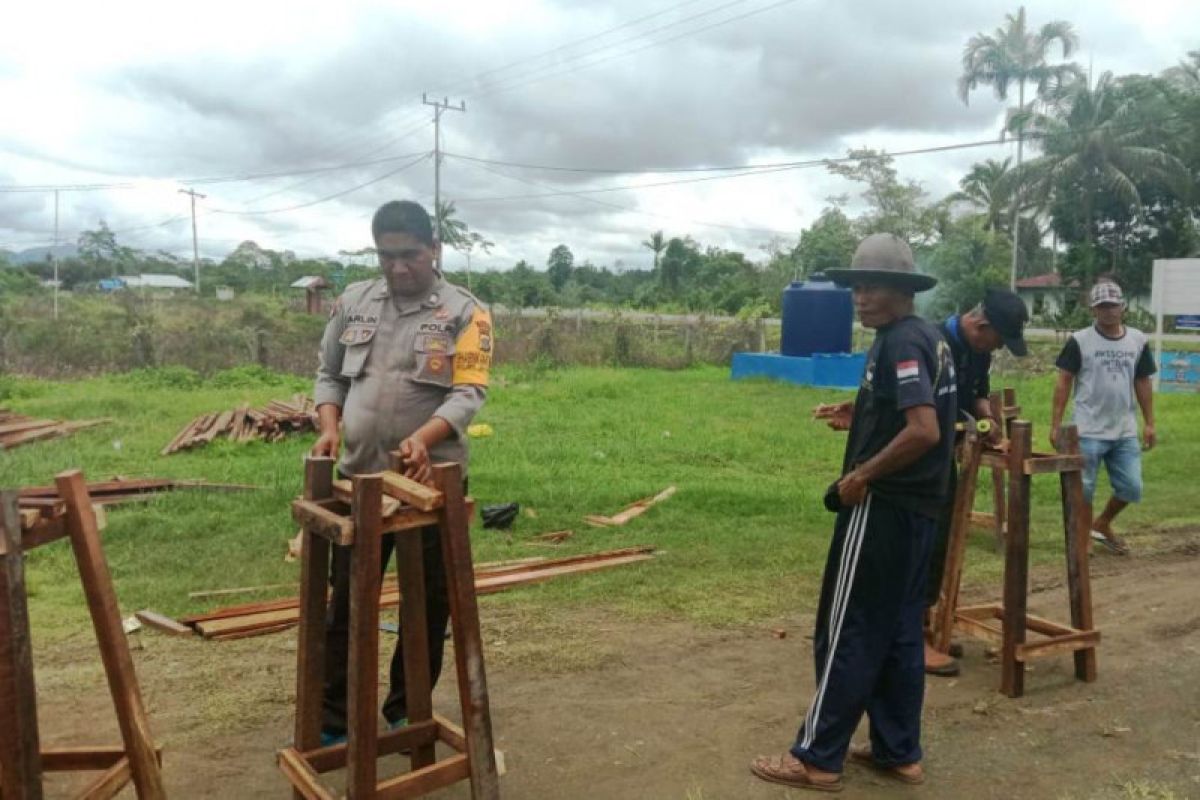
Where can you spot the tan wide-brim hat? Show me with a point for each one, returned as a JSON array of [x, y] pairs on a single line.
[[886, 259]]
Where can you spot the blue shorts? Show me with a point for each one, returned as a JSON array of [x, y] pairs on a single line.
[[1122, 458]]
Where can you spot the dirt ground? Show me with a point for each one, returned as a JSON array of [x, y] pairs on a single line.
[[600, 707]]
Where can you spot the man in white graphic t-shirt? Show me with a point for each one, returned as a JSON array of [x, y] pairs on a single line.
[[1109, 366]]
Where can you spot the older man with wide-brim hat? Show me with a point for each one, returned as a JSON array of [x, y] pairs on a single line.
[[869, 644]]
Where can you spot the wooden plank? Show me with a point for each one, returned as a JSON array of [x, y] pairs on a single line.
[[417, 495], [979, 629], [163, 623], [321, 521], [260, 631], [21, 776], [410, 576], [1052, 464], [495, 583], [44, 532], [303, 778], [1066, 643], [1077, 524], [631, 511], [327, 759], [204, 594], [468, 646], [363, 690], [406, 519], [310, 641], [1016, 561], [26, 425], [446, 772], [1047, 627], [110, 784], [114, 651], [956, 548], [450, 733], [72, 759]]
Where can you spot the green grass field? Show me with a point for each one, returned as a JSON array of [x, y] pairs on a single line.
[[744, 539]]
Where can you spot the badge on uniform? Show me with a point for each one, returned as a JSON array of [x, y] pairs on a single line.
[[437, 365]]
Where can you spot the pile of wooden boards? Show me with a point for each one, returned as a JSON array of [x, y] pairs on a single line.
[[118, 490], [256, 619], [270, 423], [18, 429]]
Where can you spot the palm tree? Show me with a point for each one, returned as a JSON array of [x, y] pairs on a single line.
[[985, 188], [1015, 55], [1097, 147], [658, 243], [451, 231]]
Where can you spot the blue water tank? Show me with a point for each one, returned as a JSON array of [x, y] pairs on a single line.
[[818, 317]]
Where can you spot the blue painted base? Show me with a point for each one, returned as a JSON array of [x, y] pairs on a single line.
[[831, 370]]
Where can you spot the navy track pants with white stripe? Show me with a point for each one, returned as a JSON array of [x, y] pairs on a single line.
[[869, 648]]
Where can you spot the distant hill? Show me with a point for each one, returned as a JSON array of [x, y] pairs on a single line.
[[35, 254]]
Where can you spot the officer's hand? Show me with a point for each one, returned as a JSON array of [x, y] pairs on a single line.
[[852, 489], [327, 444], [1054, 437], [415, 457], [995, 435], [1149, 437]]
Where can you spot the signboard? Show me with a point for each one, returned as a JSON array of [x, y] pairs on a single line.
[[1179, 371], [1175, 290], [1187, 322]]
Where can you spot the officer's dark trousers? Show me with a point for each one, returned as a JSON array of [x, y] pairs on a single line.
[[868, 643], [437, 614], [941, 542]]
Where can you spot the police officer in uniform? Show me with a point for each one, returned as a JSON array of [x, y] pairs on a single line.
[[869, 638], [404, 364]]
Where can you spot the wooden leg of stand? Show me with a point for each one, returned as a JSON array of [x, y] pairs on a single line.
[[1077, 526], [1016, 561], [365, 577], [20, 759], [410, 574], [310, 638], [943, 615], [468, 645], [114, 650]]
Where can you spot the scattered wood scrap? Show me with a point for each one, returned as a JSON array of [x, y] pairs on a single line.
[[18, 429], [256, 619], [162, 623], [270, 423], [551, 539], [121, 490], [630, 511]]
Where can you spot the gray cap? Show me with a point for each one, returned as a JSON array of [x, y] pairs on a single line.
[[883, 258]]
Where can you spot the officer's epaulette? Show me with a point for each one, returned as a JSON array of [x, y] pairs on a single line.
[[466, 294]]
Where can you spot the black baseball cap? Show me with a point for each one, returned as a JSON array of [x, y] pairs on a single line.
[[1007, 314]]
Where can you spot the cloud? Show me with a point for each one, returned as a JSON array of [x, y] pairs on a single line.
[[254, 90]]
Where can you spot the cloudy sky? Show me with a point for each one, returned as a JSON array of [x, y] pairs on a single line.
[[310, 113]]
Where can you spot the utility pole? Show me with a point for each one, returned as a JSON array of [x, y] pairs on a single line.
[[438, 108], [54, 253], [195, 246]]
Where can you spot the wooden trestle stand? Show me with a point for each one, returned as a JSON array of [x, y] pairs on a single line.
[[1021, 464], [359, 513], [22, 761]]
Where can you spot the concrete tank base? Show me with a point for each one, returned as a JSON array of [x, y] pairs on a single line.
[[827, 370]]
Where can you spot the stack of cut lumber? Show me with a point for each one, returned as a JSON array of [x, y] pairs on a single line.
[[270, 423], [18, 429], [120, 490], [256, 619]]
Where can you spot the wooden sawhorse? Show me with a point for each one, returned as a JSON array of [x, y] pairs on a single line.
[[359, 513], [1004, 405], [22, 761], [1021, 463]]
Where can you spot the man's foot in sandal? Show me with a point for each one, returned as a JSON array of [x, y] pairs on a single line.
[[1111, 542], [911, 774], [939, 663], [787, 770]]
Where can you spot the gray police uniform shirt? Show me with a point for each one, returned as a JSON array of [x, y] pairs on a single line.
[[1105, 370], [391, 364]]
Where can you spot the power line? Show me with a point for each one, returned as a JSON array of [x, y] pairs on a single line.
[[643, 212], [535, 77], [334, 196]]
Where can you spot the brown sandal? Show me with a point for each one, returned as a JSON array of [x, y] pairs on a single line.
[[788, 770], [861, 755]]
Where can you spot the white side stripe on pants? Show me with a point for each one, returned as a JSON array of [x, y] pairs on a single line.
[[851, 547]]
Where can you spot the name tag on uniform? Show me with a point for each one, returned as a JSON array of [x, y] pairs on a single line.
[[357, 334]]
